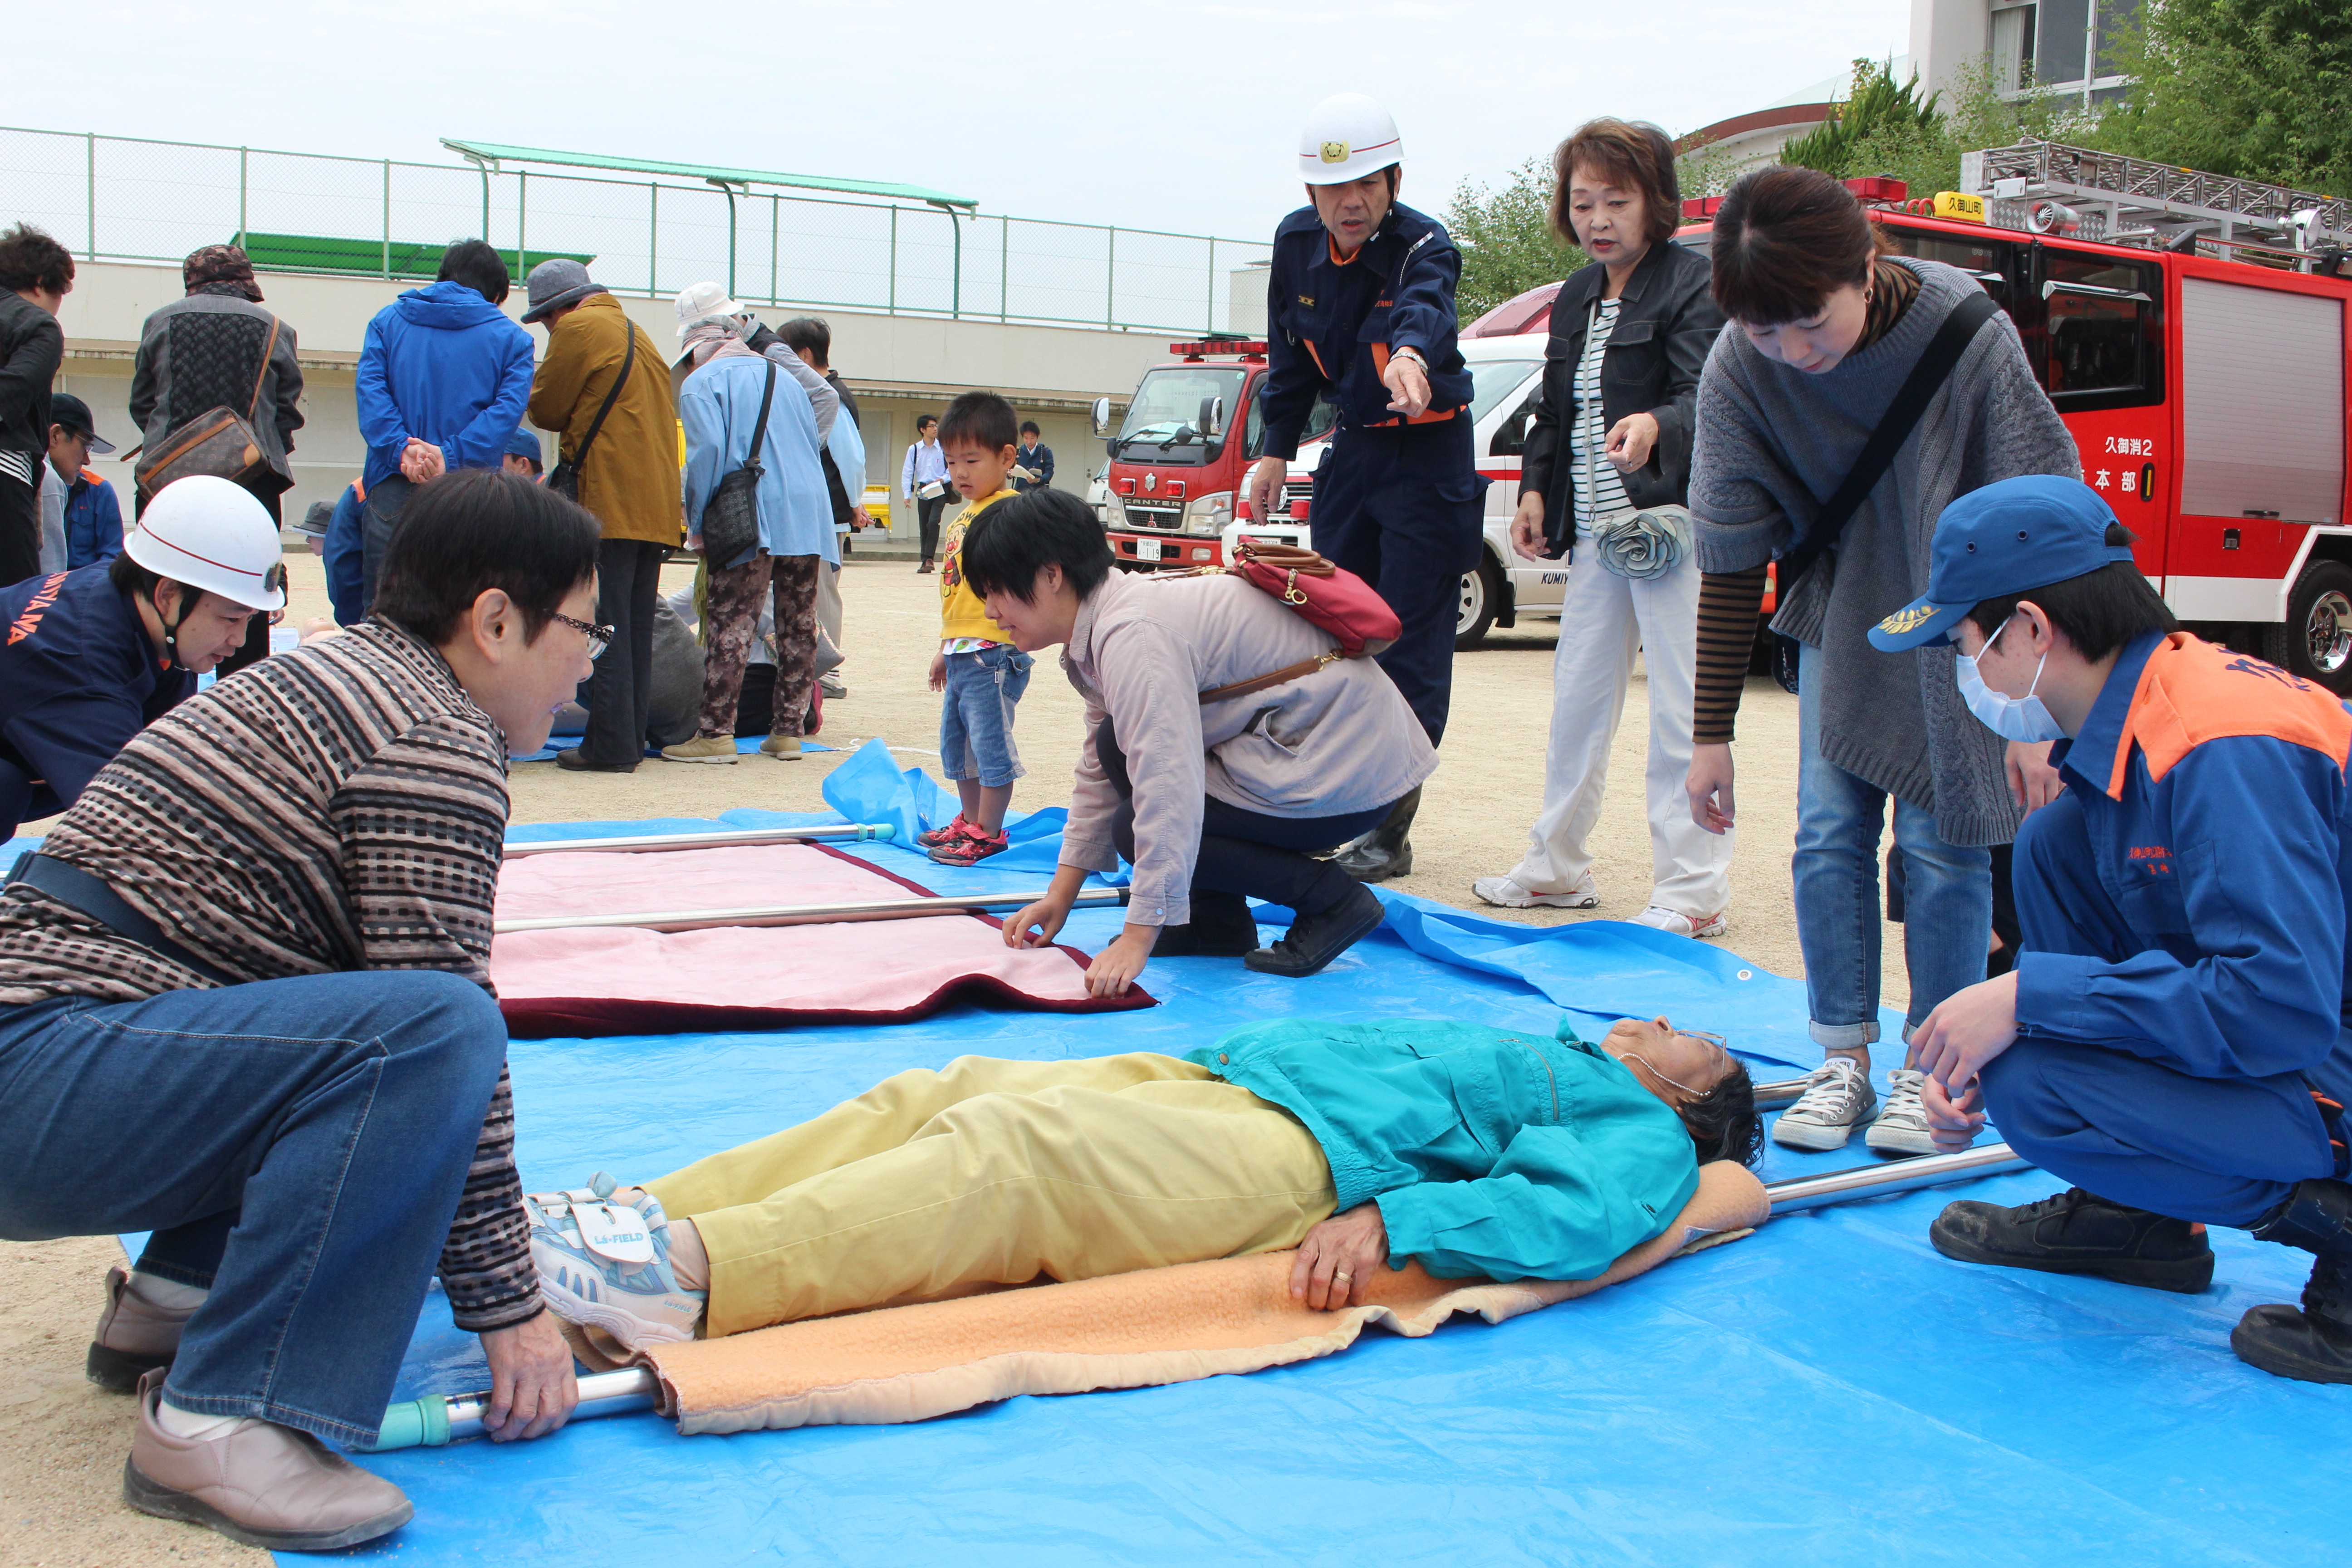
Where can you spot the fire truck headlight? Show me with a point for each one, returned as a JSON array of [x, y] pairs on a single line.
[[1113, 511], [1208, 514]]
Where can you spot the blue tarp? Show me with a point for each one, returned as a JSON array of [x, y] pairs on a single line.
[[1827, 1392]]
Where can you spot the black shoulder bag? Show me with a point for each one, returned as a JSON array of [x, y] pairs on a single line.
[[731, 518], [565, 481], [1894, 426]]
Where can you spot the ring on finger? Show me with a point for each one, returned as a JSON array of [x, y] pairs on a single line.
[[1342, 1276]]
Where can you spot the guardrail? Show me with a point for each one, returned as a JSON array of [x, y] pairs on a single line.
[[133, 199]]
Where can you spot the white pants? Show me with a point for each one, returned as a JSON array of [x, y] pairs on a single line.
[[1603, 621]]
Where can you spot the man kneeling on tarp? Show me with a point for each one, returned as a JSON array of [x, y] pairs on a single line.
[[246, 1005], [2174, 1034], [1475, 1149]]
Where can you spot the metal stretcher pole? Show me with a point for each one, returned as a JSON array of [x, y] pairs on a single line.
[[813, 914], [655, 843], [437, 1419]]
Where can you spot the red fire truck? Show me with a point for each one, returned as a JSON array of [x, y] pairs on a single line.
[[2191, 331], [1183, 454]]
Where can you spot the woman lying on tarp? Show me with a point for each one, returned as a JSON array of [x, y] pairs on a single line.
[[1478, 1151], [1214, 798]]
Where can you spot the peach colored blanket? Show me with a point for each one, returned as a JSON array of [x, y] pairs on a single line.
[[1126, 1330], [605, 981]]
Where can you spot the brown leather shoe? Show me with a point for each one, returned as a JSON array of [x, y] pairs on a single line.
[[134, 1337], [262, 1484]]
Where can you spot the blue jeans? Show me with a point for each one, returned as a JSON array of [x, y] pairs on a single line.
[[297, 1146], [976, 719], [1947, 898]]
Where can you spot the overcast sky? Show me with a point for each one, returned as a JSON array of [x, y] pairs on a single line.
[[1141, 114]]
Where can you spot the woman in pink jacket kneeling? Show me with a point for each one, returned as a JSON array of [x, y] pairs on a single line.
[[1215, 785]]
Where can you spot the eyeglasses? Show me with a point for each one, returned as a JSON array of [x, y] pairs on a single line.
[[599, 637]]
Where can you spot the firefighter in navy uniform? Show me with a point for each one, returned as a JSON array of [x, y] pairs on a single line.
[[93, 656], [1359, 307]]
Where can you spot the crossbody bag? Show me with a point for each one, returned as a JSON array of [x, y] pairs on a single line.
[[565, 481], [1894, 426], [219, 442], [731, 518]]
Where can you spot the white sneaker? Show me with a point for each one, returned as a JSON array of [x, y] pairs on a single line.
[[1659, 917], [1902, 1127], [1505, 894], [606, 1264], [1837, 1099]]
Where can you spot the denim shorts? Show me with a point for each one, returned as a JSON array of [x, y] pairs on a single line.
[[976, 719]]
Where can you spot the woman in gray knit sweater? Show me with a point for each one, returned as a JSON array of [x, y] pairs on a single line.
[[1825, 328]]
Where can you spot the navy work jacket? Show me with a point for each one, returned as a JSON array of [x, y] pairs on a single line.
[[1331, 325], [78, 678], [2212, 789]]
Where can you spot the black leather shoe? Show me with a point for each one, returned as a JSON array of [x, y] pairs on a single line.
[[1387, 851], [572, 761], [1316, 939], [2076, 1233], [2313, 1344], [1222, 927]]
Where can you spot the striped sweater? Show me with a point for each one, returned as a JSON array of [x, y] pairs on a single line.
[[340, 807]]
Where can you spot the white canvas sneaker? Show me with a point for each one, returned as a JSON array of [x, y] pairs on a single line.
[[1902, 1128], [1505, 894], [1658, 918], [1837, 1099]]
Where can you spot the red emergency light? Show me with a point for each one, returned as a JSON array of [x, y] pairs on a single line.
[[1195, 352], [1701, 206], [1878, 188], [1125, 487], [1174, 489]]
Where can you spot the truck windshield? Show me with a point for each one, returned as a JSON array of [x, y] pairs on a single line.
[[1166, 410]]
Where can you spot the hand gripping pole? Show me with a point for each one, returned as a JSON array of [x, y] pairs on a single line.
[[438, 1419]]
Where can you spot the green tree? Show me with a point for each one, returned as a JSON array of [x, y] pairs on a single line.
[[1886, 129], [1507, 240], [2258, 89], [1876, 114]]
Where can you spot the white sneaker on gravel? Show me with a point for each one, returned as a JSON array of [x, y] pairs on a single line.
[[1658, 918], [1505, 894], [606, 1264], [1902, 1127], [1837, 1099]]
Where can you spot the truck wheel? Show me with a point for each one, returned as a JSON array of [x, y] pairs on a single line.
[[1482, 590], [2315, 641]]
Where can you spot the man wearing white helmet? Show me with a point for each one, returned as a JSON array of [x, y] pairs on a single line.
[[96, 655], [1360, 308]]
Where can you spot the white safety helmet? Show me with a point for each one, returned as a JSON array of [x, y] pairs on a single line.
[[1347, 137], [700, 303], [213, 535]]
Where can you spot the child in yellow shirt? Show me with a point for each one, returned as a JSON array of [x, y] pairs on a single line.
[[982, 674]]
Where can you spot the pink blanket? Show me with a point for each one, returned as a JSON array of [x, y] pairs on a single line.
[[615, 981]]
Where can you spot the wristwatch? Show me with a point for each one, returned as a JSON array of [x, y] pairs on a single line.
[[1414, 354]]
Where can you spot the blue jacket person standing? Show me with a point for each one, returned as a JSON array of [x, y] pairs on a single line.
[[1360, 308], [93, 656], [2173, 1036]]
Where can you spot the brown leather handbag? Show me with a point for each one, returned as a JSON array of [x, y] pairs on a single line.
[[219, 441]]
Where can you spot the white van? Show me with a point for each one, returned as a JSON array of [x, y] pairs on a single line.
[[1504, 373]]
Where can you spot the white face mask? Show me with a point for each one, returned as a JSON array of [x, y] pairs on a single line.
[[2025, 718]]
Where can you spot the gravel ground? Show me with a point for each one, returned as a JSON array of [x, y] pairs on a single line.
[[62, 1440]]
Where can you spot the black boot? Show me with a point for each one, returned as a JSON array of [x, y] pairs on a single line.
[[1316, 939], [1222, 927], [2076, 1233], [1387, 850], [2313, 1344]]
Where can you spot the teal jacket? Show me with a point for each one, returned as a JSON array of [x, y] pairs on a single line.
[[1490, 1153]]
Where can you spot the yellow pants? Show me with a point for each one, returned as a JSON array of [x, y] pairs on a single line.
[[936, 1184]]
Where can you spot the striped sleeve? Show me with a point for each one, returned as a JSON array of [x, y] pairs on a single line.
[[1729, 602], [486, 1268]]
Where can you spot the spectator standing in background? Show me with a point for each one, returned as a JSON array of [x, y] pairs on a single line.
[[36, 275], [923, 485], [342, 553], [524, 456], [93, 514], [217, 348], [602, 387], [844, 483], [1032, 469], [443, 377]]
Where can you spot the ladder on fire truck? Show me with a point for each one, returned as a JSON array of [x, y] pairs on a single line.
[[2049, 187]]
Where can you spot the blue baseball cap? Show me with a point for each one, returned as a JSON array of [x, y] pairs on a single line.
[[525, 443], [2008, 537]]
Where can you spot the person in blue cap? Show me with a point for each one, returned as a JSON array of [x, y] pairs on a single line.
[[524, 455], [2173, 1037]]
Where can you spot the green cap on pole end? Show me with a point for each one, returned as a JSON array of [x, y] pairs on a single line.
[[879, 830], [414, 1424]]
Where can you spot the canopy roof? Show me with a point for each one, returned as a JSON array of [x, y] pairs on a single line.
[[498, 152]]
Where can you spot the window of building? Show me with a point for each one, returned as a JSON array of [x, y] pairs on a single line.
[[2012, 49]]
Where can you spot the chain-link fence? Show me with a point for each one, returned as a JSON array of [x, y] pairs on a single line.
[[123, 198]]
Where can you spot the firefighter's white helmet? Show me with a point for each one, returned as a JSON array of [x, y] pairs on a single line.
[[1347, 137], [213, 535]]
